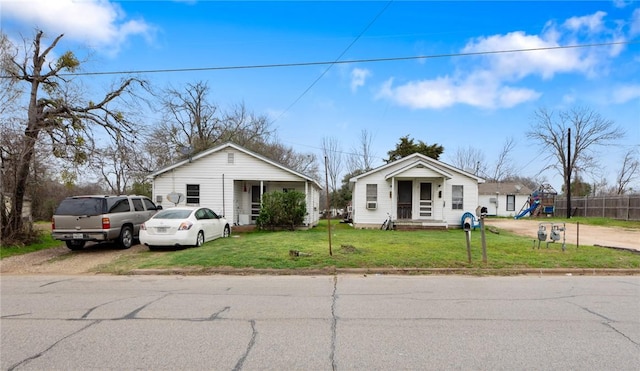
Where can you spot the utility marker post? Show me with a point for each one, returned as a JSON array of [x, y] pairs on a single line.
[[481, 212]]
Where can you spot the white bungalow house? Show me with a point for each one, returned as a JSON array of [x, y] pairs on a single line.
[[231, 180], [504, 199], [417, 191]]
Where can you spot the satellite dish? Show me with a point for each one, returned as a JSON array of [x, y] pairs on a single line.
[[176, 198], [518, 187]]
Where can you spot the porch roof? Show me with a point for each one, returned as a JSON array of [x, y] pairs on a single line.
[[419, 169]]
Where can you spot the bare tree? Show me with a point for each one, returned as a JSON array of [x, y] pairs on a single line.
[[304, 163], [192, 123], [470, 159], [333, 154], [504, 167], [629, 171], [58, 110], [190, 119], [588, 131], [116, 164], [362, 158], [9, 89]]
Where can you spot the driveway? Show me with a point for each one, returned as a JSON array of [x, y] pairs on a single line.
[[614, 237]]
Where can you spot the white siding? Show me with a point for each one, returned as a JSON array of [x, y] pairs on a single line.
[[501, 208], [441, 177], [222, 183]]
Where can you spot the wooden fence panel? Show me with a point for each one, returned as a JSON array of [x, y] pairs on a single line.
[[614, 207]]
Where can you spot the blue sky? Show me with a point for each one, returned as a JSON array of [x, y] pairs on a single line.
[[455, 101]]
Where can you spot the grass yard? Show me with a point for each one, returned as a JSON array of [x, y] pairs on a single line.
[[46, 242], [355, 248]]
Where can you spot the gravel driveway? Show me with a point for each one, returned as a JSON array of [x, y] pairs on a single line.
[[584, 234]]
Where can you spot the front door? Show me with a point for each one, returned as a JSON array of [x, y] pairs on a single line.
[[405, 199], [255, 202], [426, 200]]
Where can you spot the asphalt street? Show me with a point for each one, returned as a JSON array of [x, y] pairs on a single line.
[[343, 322]]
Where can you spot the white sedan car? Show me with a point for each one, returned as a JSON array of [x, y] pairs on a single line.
[[183, 226]]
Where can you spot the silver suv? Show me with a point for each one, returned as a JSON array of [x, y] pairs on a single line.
[[80, 219]]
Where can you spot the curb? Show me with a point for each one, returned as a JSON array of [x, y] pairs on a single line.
[[388, 271]]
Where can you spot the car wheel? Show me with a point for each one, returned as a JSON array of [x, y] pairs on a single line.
[[227, 231], [126, 237], [75, 245], [200, 239]]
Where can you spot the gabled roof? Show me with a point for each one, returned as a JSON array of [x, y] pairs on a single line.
[[417, 159], [224, 146], [420, 164], [511, 188]]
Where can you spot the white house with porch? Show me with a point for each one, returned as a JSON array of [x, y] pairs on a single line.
[[230, 180], [417, 191]]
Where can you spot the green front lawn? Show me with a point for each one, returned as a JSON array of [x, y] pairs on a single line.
[[46, 242], [356, 248]]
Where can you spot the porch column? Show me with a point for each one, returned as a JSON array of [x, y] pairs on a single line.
[[261, 190], [307, 198], [392, 194]]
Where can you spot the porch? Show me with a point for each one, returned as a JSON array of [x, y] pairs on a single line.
[[419, 224]]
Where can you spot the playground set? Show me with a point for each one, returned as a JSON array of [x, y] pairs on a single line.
[[541, 202]]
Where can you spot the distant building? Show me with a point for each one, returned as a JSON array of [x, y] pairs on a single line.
[[503, 199]]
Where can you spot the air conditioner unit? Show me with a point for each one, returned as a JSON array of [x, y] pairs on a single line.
[[371, 205]]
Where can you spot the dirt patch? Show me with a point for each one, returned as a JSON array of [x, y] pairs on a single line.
[[61, 260], [582, 234]]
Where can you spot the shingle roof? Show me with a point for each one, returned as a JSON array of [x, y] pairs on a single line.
[[511, 188]]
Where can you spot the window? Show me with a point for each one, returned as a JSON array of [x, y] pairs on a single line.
[[285, 190], [121, 205], [137, 204], [457, 197], [193, 194], [150, 205], [511, 202], [372, 192], [372, 197]]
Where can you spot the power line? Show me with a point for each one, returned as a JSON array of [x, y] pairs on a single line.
[[368, 60], [334, 62]]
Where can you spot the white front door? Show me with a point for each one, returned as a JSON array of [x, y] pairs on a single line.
[[426, 201]]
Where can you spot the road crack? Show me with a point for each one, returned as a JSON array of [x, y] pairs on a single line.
[[40, 354]]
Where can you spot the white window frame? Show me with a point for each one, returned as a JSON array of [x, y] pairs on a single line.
[[457, 201]]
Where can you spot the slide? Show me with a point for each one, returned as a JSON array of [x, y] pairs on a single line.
[[527, 211]]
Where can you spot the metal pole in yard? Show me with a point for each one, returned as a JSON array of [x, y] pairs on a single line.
[[326, 176]]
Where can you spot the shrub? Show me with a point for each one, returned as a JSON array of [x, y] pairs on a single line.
[[282, 210]]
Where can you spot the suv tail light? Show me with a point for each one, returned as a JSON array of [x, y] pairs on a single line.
[[53, 223], [143, 227], [106, 223]]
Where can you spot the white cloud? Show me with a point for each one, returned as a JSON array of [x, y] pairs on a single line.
[[626, 93], [635, 23], [358, 78], [592, 23], [99, 23], [518, 65], [490, 81], [445, 92]]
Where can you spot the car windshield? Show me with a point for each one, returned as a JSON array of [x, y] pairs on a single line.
[[82, 206], [173, 214]]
